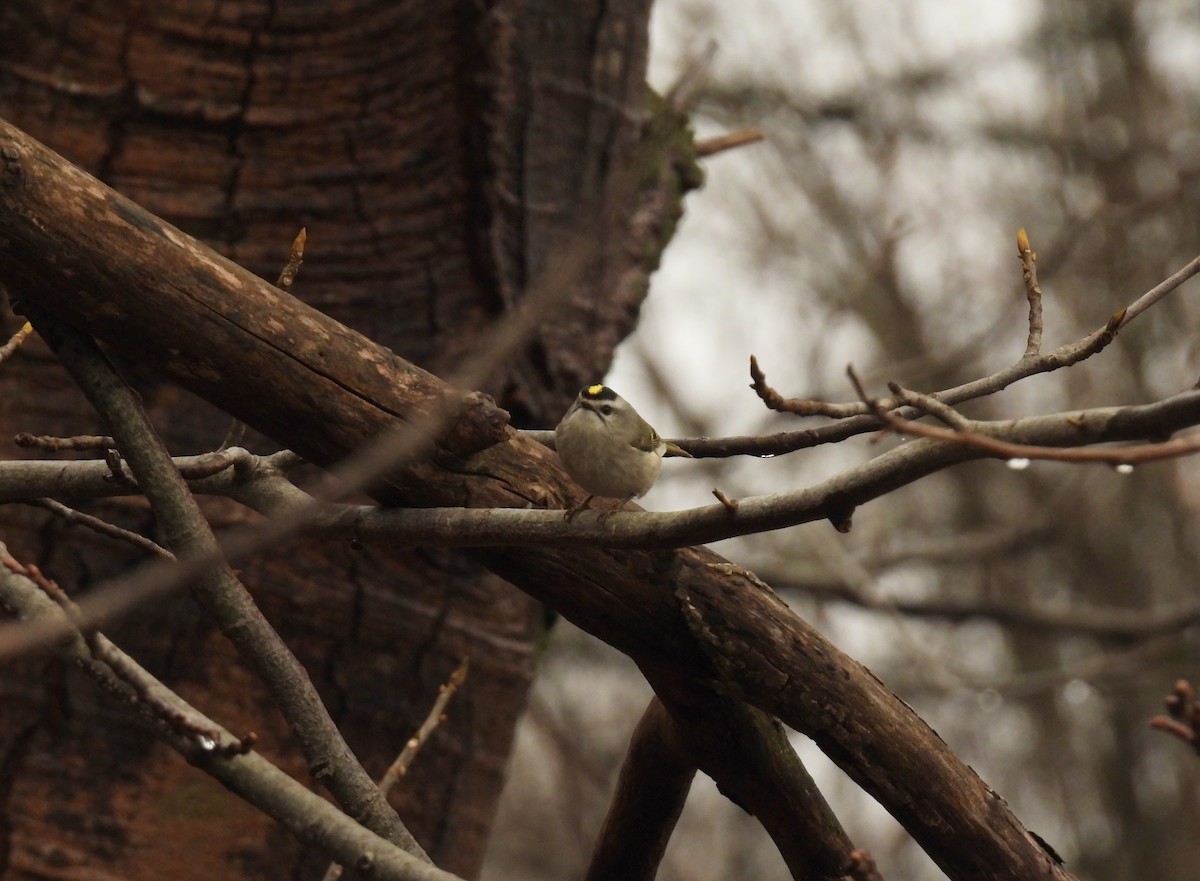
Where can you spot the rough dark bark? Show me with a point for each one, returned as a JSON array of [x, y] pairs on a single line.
[[411, 139]]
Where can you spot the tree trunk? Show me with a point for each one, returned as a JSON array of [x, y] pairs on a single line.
[[411, 140]]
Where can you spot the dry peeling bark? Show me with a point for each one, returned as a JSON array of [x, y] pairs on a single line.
[[695, 624], [434, 151]]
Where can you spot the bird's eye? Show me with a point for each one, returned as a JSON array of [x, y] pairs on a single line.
[[606, 410]]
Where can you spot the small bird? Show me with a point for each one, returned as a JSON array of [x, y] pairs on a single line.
[[608, 448]]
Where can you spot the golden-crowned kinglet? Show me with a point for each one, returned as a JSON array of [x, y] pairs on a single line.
[[608, 448]]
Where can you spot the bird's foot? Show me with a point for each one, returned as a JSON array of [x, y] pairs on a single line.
[[604, 515], [575, 509]]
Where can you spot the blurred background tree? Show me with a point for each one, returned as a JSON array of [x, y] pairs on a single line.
[[1035, 617]]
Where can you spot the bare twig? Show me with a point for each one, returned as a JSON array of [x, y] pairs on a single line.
[[1121, 457], [856, 417], [729, 141], [14, 342], [237, 429], [295, 259], [797, 406], [116, 468], [1156, 293], [1033, 292], [1183, 720], [152, 697], [400, 766], [730, 504], [102, 526], [52, 444], [48, 586]]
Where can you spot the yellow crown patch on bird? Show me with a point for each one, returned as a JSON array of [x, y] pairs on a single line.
[[598, 391]]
